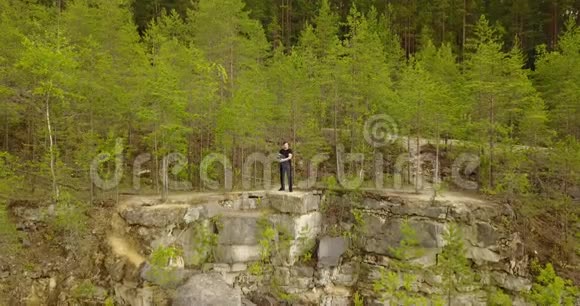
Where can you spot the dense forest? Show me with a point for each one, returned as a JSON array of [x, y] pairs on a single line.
[[499, 79]]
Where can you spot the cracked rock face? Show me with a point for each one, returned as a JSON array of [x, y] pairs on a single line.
[[207, 289], [337, 263]]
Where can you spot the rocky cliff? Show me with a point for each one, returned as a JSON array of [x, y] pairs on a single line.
[[319, 248]]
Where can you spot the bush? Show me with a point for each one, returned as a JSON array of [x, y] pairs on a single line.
[[550, 289]]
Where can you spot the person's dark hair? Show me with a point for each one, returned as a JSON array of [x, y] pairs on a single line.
[[284, 142]]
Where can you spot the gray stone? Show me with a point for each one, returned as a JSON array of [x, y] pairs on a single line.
[[478, 298], [294, 203], [419, 209], [211, 210], [239, 230], [264, 300], [511, 282], [330, 250], [482, 255], [384, 235], [193, 214], [128, 295], [154, 216], [31, 214], [301, 226], [302, 283], [282, 275], [166, 277], [486, 234], [239, 267], [295, 248], [237, 253], [346, 274], [301, 271], [221, 267], [207, 290], [194, 250], [427, 258], [230, 278], [336, 296], [235, 204]]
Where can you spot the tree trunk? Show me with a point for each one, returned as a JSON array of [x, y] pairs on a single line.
[[410, 157], [155, 156], [6, 129], [491, 141], [418, 163], [463, 30], [335, 110], [436, 176], [418, 148], [51, 150], [294, 137]]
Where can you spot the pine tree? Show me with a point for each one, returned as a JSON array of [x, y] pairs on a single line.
[[550, 289], [505, 102], [50, 59], [557, 77], [396, 285], [452, 264], [367, 84], [226, 34]]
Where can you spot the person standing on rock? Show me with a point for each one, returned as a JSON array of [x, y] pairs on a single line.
[[285, 159]]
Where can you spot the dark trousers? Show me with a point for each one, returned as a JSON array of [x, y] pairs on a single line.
[[286, 169]]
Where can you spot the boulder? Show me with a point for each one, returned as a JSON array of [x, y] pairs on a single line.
[[482, 255], [207, 289], [237, 253], [294, 203], [486, 234], [193, 214], [346, 275], [302, 226], [427, 258], [511, 282], [154, 216], [195, 249], [330, 249], [385, 234], [239, 230], [166, 277]]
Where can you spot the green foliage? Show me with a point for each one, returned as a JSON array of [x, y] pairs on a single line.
[[205, 240], [557, 77], [203, 78], [9, 182], [550, 289], [306, 244], [452, 264], [161, 256], [396, 284], [256, 268], [356, 234], [84, 290], [161, 270], [110, 301], [357, 299], [409, 245], [9, 235], [268, 235], [70, 216], [279, 292], [498, 298], [331, 183]]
